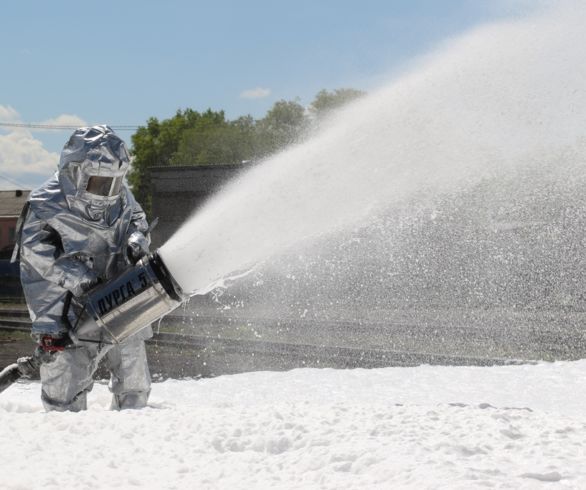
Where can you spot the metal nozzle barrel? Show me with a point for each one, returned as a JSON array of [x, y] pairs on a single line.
[[128, 303]]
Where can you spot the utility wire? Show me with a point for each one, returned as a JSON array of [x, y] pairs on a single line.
[[13, 181], [57, 127]]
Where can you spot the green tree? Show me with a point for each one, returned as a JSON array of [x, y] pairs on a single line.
[[154, 145], [207, 138], [213, 140], [325, 102], [283, 125]]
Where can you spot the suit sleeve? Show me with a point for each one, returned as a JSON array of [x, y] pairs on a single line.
[[42, 252]]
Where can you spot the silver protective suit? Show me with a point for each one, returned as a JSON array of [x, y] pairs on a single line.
[[71, 238]]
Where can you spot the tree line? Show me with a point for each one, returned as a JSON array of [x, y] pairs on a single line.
[[209, 138]]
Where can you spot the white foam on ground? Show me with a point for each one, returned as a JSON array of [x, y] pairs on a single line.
[[416, 428]]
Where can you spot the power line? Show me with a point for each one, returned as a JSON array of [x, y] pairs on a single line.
[[13, 181], [63, 127]]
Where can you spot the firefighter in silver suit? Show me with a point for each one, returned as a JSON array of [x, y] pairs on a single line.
[[79, 228]]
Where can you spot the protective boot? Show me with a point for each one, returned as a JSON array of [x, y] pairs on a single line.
[[132, 400]]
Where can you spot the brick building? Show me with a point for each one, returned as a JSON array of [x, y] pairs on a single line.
[[11, 203]]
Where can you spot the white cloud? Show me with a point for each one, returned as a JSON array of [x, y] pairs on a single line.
[[255, 93], [65, 120], [21, 153], [23, 158], [8, 114]]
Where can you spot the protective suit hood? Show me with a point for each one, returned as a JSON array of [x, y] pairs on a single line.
[[91, 173]]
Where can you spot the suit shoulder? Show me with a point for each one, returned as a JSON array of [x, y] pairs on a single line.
[[47, 198]]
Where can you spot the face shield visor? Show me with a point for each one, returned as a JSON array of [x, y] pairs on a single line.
[[93, 164], [104, 186]]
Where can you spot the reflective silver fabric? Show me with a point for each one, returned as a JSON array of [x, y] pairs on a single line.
[[70, 235], [68, 379]]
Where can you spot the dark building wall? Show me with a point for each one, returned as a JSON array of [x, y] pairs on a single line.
[[7, 231], [177, 192], [11, 204]]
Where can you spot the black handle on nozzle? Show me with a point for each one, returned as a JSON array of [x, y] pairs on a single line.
[[65, 312], [153, 225]]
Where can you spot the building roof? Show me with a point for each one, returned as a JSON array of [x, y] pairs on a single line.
[[11, 203]]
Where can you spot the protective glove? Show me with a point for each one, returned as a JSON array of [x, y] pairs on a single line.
[[137, 247], [82, 283], [48, 346], [53, 343]]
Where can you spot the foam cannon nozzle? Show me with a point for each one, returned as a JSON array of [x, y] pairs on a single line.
[[128, 303]]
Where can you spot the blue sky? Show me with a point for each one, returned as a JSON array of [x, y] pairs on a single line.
[[122, 62]]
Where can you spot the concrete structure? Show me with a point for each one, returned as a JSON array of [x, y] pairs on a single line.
[[178, 191]]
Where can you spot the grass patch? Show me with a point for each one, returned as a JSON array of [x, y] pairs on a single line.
[[8, 335]]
